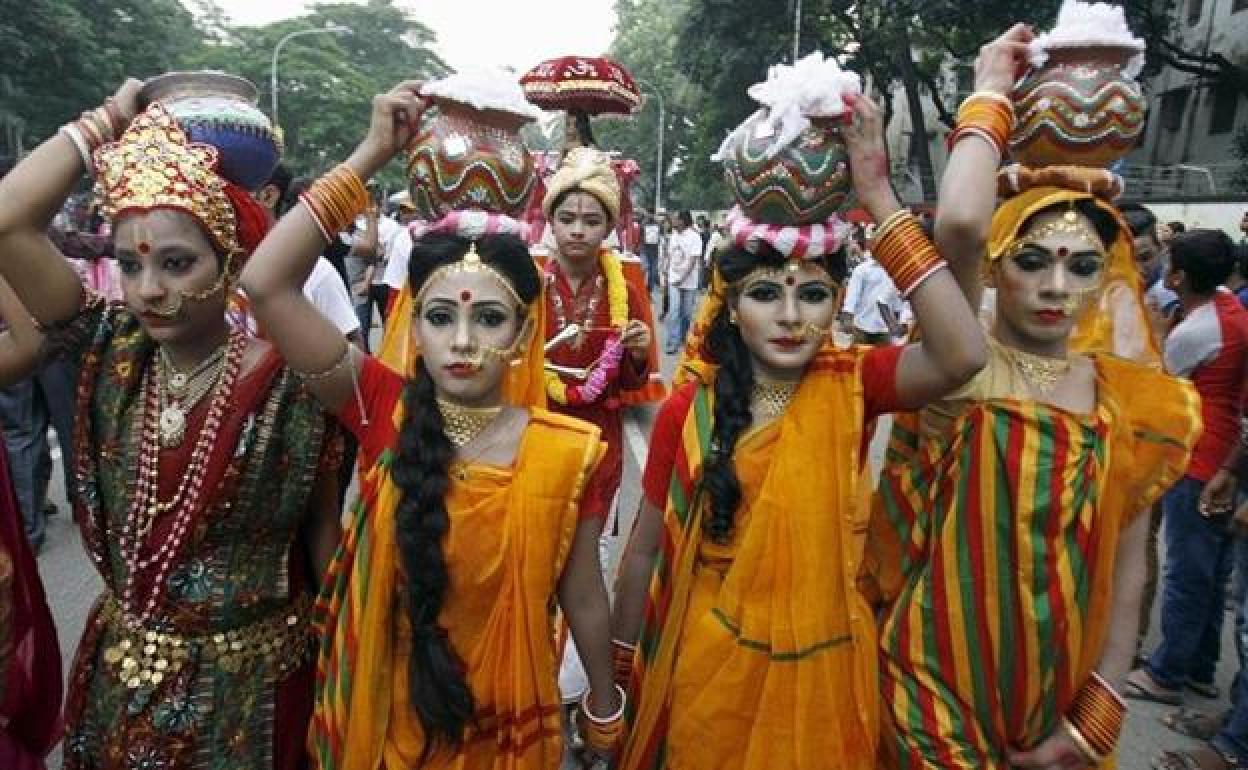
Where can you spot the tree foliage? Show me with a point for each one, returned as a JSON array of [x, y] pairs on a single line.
[[67, 55], [713, 50]]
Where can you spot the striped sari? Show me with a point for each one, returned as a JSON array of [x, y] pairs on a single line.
[[1003, 536]]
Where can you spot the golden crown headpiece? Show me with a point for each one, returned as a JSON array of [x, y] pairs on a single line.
[[155, 165]]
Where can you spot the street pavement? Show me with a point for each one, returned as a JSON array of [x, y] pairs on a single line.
[[72, 585]]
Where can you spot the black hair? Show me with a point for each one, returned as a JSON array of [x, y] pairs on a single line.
[[1177, 227], [686, 217], [280, 178], [440, 694], [1141, 221], [1103, 222], [1241, 259], [734, 383], [1206, 258], [298, 186]]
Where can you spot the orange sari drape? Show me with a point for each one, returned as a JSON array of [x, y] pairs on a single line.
[[765, 657], [511, 529]]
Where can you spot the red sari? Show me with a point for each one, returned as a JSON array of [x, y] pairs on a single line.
[[227, 656], [635, 383], [30, 658]]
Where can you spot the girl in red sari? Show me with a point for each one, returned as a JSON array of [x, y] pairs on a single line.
[[599, 325], [204, 470]]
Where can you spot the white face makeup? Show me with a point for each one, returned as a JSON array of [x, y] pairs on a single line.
[[784, 316], [1047, 280], [468, 327]]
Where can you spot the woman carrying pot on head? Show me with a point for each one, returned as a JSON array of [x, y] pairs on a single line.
[[754, 647], [1005, 541], [205, 471], [439, 643]]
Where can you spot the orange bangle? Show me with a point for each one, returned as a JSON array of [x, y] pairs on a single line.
[[1097, 714], [908, 255], [336, 199], [622, 660]]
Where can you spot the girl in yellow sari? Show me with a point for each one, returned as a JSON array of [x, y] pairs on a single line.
[[438, 647], [755, 648]]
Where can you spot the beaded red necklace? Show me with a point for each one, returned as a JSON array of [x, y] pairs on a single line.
[[146, 506]]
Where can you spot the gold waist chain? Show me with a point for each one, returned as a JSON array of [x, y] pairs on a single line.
[[146, 657]]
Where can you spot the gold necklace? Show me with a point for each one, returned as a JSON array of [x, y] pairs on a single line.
[[1041, 372], [769, 398], [180, 392], [462, 423]]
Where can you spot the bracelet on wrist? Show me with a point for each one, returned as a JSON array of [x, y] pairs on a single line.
[[906, 253], [602, 734], [74, 134], [1096, 716]]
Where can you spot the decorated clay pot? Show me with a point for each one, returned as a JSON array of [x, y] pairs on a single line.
[[1079, 109], [803, 184], [463, 158], [220, 109]]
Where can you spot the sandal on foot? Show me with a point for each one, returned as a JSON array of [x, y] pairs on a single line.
[[1140, 685], [1203, 758], [1205, 690], [1192, 723]]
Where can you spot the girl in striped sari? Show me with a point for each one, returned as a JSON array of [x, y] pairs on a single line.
[[1005, 539], [755, 648], [439, 644]]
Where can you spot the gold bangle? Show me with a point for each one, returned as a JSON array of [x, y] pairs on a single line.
[[74, 134], [325, 374], [890, 222], [1081, 743]]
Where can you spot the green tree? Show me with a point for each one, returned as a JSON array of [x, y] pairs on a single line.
[[63, 56], [327, 82]]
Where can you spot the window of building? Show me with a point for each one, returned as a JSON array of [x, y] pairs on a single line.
[[1172, 105], [1225, 105], [1194, 8], [1238, 5]]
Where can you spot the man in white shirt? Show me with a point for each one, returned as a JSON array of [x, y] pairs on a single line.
[[873, 307], [324, 287], [650, 235], [683, 263]]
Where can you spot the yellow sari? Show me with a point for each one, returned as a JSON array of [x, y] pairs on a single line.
[[761, 653]]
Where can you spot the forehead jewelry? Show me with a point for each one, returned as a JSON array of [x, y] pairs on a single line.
[[1069, 223], [471, 262]]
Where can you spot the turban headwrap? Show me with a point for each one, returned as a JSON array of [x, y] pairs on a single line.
[[587, 170]]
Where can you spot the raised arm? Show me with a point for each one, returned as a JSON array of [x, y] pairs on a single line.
[[275, 274], [20, 343], [968, 189], [952, 349], [30, 196]]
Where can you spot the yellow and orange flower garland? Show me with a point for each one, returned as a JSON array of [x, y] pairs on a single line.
[[607, 367]]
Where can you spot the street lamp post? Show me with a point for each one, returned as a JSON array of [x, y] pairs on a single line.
[[277, 50], [797, 29], [658, 171]]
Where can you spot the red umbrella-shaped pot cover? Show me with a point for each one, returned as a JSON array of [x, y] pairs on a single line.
[[584, 84]]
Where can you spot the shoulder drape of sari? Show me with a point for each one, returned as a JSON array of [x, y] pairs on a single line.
[[764, 658], [500, 622], [1002, 539]]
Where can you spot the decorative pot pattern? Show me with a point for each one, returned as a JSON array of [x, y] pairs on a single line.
[[219, 109], [805, 183], [1079, 109], [466, 159]]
